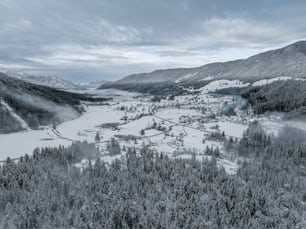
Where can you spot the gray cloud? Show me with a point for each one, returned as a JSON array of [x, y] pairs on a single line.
[[87, 40]]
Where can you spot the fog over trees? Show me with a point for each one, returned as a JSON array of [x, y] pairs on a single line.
[[36, 105]]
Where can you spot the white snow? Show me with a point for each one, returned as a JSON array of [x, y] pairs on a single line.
[[232, 129], [15, 145], [207, 78], [222, 84], [268, 81]]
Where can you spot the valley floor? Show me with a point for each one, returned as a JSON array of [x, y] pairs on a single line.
[[173, 127]]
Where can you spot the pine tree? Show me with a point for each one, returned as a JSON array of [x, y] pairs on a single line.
[[97, 137]]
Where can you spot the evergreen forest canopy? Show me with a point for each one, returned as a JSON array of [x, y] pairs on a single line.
[[283, 96], [149, 190]]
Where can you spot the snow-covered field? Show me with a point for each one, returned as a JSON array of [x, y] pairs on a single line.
[[222, 84], [18, 144]]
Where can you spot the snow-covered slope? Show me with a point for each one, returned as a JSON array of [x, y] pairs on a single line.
[[223, 84], [289, 61], [268, 81]]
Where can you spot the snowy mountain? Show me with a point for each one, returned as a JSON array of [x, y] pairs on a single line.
[[289, 61], [50, 81], [55, 81]]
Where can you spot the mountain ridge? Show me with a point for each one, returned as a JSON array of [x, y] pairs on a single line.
[[287, 61], [54, 81], [49, 80]]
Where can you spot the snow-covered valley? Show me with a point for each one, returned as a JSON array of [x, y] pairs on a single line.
[[152, 114], [175, 127]]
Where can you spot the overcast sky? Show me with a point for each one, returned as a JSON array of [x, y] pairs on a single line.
[[84, 40]]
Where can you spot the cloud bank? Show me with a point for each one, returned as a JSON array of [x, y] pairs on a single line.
[[99, 39]]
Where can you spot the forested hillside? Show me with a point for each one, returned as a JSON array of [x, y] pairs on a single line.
[[35, 104], [281, 96], [152, 191], [287, 61]]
